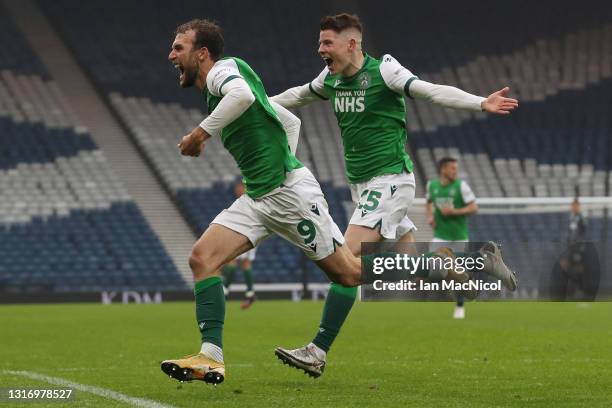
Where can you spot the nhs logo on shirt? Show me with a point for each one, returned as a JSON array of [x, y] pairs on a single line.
[[349, 101]]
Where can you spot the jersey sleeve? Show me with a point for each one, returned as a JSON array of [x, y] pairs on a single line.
[[317, 85], [444, 95], [291, 124], [220, 74], [396, 77], [238, 97], [466, 193], [427, 193]]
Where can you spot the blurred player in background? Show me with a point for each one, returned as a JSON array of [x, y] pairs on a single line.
[[244, 262], [576, 275], [578, 223], [450, 201], [367, 95]]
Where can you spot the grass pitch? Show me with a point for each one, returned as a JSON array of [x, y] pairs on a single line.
[[389, 354]]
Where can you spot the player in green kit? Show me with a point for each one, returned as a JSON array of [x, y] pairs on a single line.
[[367, 96], [282, 196], [449, 202]]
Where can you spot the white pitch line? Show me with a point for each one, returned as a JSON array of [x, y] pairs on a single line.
[[102, 392]]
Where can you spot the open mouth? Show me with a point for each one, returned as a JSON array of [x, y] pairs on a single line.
[[328, 61], [181, 69]]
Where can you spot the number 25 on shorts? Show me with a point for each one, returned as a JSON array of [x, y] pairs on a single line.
[[372, 201]]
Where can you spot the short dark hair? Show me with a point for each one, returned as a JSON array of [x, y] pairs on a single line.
[[341, 22], [444, 161], [207, 34]]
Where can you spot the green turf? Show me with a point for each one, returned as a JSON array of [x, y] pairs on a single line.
[[390, 354]]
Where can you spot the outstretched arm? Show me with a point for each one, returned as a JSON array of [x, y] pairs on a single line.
[[303, 95], [401, 80], [295, 97], [451, 97]]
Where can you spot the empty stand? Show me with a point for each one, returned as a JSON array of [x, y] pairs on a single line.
[[556, 144], [67, 222]]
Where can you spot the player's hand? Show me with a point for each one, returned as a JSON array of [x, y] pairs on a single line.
[[432, 222], [498, 103], [447, 211], [193, 143]]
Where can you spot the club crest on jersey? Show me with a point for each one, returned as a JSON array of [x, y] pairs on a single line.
[[364, 80], [393, 190]]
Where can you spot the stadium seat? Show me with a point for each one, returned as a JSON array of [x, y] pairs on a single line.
[[67, 223], [556, 144]]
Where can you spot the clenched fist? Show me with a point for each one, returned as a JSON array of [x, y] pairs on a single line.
[[193, 143]]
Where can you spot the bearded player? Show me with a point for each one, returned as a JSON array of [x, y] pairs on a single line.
[[282, 196], [367, 95]]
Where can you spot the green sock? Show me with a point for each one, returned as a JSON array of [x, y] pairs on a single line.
[[460, 301], [228, 273], [210, 309], [338, 304], [248, 279]]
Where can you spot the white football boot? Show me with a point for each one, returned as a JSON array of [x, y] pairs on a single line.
[[459, 312], [304, 358], [494, 265]]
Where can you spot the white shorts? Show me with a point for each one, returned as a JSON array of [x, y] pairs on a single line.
[[405, 226], [382, 203], [247, 256], [297, 211], [456, 246]]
